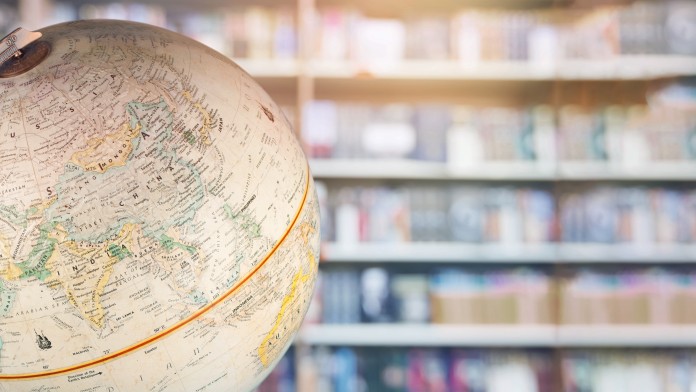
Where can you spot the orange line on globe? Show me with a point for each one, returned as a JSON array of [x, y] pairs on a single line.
[[180, 324]]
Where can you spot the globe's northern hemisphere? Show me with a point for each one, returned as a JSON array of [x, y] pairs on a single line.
[[158, 222]]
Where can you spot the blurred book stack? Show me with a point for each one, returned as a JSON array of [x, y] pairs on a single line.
[[468, 36], [627, 136], [418, 370], [637, 215], [501, 297], [657, 296], [640, 216], [357, 130], [640, 296], [351, 369], [541, 37], [441, 296], [464, 137], [629, 371], [460, 135], [419, 213], [247, 32]]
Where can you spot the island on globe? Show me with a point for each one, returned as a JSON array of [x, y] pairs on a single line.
[[158, 222]]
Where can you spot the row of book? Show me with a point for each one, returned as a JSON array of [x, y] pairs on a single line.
[[476, 296], [475, 214], [639, 296], [342, 369], [628, 371], [254, 32], [430, 132], [345, 369], [449, 296], [628, 136], [470, 36], [637, 216], [467, 136], [632, 215], [539, 36]]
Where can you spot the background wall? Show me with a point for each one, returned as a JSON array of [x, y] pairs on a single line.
[[508, 196]]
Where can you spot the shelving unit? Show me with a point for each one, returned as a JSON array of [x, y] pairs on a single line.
[[618, 80]]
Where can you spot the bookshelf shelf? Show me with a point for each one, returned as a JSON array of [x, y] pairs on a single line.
[[423, 170], [440, 252], [625, 67], [451, 252], [627, 336], [652, 171], [428, 335], [620, 68], [388, 169], [626, 253], [498, 335]]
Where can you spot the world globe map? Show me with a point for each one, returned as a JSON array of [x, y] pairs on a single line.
[[158, 221]]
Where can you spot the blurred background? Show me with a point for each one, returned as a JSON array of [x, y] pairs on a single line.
[[507, 186]]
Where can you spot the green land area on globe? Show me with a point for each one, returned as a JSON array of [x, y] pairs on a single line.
[[158, 222]]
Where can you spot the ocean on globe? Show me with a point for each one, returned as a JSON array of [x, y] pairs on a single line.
[[159, 227]]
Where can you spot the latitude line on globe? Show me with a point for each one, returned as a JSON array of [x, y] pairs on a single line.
[[181, 323]]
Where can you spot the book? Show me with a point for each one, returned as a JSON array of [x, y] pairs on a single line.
[[647, 296]]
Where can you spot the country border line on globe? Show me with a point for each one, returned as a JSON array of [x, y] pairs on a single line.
[[177, 326]]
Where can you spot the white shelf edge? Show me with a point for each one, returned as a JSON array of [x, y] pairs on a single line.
[[383, 168], [498, 335], [621, 68], [452, 252], [626, 253], [445, 252], [427, 335], [650, 171], [415, 169], [500, 171], [626, 67], [627, 336]]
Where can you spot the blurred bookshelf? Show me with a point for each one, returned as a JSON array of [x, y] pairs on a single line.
[[508, 187]]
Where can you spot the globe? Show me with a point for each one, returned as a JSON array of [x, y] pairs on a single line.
[[158, 223]]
